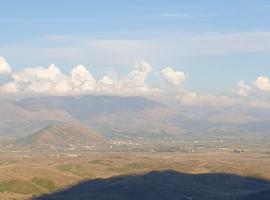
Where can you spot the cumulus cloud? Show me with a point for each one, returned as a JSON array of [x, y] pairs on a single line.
[[106, 80], [39, 80], [174, 77], [51, 81], [4, 66], [80, 81], [258, 88], [141, 72], [243, 88], [9, 88], [135, 83], [255, 94], [262, 83], [190, 98]]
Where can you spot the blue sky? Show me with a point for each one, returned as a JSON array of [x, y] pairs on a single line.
[[217, 43]]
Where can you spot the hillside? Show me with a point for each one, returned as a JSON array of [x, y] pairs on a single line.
[[18, 121], [131, 117], [61, 136], [23, 117], [85, 107]]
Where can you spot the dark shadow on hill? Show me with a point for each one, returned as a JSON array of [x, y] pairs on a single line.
[[167, 185]]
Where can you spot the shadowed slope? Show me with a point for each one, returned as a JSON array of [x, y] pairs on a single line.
[[165, 185]]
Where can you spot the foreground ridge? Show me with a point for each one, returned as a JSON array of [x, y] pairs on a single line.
[[169, 185]]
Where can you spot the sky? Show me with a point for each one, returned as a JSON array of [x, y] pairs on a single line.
[[207, 47]]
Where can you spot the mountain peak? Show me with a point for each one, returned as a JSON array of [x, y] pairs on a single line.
[[57, 136]]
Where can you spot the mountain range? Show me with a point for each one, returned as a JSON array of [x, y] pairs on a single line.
[[129, 117]]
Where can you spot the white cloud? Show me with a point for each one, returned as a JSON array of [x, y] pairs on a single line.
[[190, 98], [252, 95], [9, 88], [80, 81], [4, 66], [262, 83], [243, 88], [259, 88], [135, 82], [255, 94], [107, 80], [51, 73], [173, 76], [140, 73], [40, 80], [51, 81]]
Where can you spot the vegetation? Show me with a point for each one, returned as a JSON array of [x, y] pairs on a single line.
[[43, 182], [18, 186], [48, 172], [76, 170]]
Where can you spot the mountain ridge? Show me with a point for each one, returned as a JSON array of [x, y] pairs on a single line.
[[161, 185], [57, 136]]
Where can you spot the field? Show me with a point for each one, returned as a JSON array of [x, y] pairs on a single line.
[[23, 176]]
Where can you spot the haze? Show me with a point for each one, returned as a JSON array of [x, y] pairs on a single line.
[[161, 100]]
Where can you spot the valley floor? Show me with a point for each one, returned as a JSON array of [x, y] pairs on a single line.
[[23, 176]]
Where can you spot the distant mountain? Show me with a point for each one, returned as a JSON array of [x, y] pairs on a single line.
[[85, 107], [18, 121], [23, 117], [155, 123], [165, 185], [113, 115], [131, 117], [61, 136]]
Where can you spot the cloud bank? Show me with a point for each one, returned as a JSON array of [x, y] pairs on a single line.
[[4, 66], [50, 81]]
